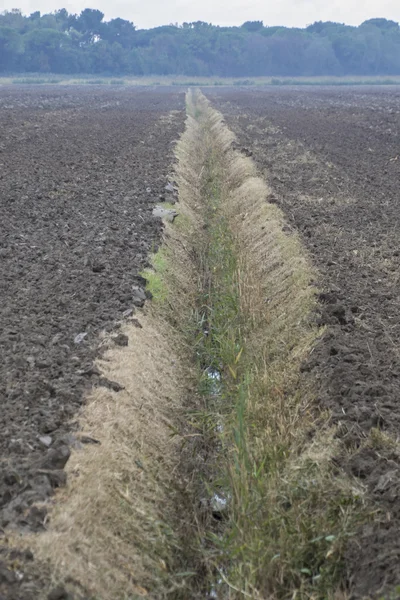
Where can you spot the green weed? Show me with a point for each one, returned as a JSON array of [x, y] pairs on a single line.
[[156, 276]]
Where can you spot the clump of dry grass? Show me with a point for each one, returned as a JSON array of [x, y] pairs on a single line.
[[114, 528]]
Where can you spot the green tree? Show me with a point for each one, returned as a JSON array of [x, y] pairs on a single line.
[[85, 43], [89, 23], [119, 31], [11, 47], [43, 49], [253, 26], [384, 24]]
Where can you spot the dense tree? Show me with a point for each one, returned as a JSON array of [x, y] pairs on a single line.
[[10, 48], [89, 23], [381, 24], [61, 42], [43, 49], [119, 31], [253, 26]]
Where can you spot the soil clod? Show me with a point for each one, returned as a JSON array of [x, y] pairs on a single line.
[[121, 339], [56, 458]]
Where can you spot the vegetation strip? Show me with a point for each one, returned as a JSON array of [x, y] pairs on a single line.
[[284, 511]]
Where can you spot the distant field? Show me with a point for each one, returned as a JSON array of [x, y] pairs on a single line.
[[40, 79]]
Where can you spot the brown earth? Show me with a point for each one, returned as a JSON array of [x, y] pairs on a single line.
[[80, 171], [332, 159]]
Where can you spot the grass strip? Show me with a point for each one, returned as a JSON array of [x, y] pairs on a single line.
[[285, 511]]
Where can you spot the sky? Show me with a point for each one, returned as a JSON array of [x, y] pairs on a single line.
[[291, 13]]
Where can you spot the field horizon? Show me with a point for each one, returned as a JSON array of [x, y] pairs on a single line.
[[189, 81]]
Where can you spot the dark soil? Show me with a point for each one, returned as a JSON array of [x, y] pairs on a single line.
[[332, 158], [80, 172]]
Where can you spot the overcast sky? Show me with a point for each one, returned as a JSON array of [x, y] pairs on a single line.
[[150, 13]]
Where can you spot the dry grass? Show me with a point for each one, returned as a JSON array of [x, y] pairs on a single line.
[[112, 528]]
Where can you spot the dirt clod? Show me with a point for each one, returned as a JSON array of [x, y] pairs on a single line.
[[111, 385], [56, 458], [138, 296], [121, 339], [59, 593]]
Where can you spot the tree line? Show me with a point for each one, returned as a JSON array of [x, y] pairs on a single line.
[[61, 42]]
